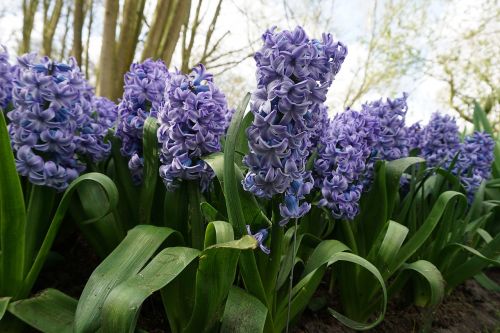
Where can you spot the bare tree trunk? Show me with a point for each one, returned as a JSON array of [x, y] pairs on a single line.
[[107, 63], [89, 30], [78, 20], [50, 24], [62, 54], [164, 33], [130, 29], [160, 23], [29, 10], [181, 16], [186, 50]]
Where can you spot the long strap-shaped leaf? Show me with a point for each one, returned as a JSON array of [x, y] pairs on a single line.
[[150, 149], [243, 313], [394, 171], [12, 219], [214, 278], [434, 290], [234, 210], [330, 252], [124, 262], [112, 193], [121, 308], [51, 311], [444, 201]]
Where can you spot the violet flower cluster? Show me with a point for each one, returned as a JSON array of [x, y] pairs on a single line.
[[5, 79], [345, 149], [392, 141], [142, 98], [439, 143], [51, 105], [192, 123], [293, 76], [96, 123]]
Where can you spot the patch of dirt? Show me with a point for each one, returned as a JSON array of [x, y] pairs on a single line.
[[469, 309]]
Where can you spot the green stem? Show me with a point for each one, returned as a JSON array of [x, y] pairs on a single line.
[[41, 203], [349, 236], [195, 215], [274, 263]]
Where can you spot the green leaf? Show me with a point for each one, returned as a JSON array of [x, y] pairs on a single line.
[[12, 220], [231, 184], [252, 213], [112, 195], [218, 232], [329, 252], [151, 161], [242, 142], [209, 212], [445, 201], [4, 302], [487, 283], [389, 249], [121, 308], [301, 295], [51, 311], [322, 254], [434, 293], [394, 170], [243, 313], [129, 192], [125, 261], [176, 208], [103, 232], [478, 261], [349, 257], [214, 278]]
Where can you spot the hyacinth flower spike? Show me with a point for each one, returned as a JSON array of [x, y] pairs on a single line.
[[192, 124]]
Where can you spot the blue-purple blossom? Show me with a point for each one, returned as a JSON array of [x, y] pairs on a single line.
[[192, 123], [293, 76], [392, 142], [474, 161], [344, 154], [440, 145], [96, 123], [5, 79], [414, 136], [440, 141], [260, 237], [142, 98], [51, 102]]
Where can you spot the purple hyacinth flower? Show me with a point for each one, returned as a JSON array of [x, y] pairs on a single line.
[[344, 160], [6, 77], [142, 98], [293, 77], [260, 237], [48, 123], [192, 123]]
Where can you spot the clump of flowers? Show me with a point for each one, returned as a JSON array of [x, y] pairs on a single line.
[[344, 153], [393, 136], [48, 124], [439, 143], [142, 98], [5, 79], [414, 136], [293, 76], [101, 117], [192, 123]]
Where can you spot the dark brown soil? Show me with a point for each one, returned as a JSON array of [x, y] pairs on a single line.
[[469, 309]]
